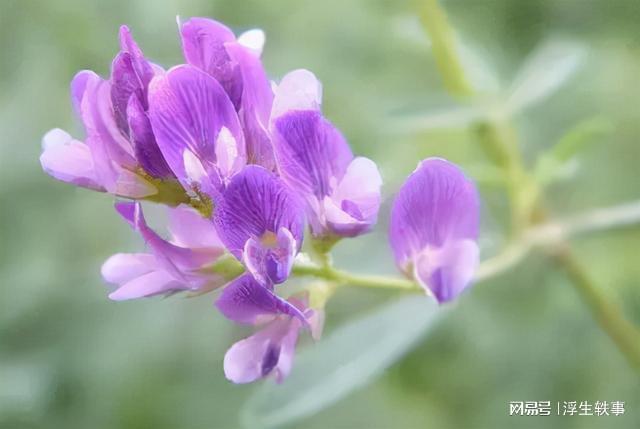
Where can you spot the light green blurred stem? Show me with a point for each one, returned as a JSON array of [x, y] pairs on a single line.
[[444, 48], [549, 235], [349, 279], [623, 333], [499, 141]]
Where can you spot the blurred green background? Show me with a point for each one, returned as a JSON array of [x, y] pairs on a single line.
[[70, 358]]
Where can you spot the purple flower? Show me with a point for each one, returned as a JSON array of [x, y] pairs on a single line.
[[186, 263], [197, 129], [342, 193], [120, 155], [235, 64], [270, 350], [261, 223], [434, 228]]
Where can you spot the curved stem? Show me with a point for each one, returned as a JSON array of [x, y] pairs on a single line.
[[444, 48], [608, 315], [346, 278]]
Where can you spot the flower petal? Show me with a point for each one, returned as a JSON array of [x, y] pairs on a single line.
[[147, 285], [446, 272], [269, 351], [190, 229], [353, 207], [298, 90], [122, 267], [255, 107], [270, 262], [178, 261], [146, 149], [312, 154], [68, 160], [255, 205], [125, 83], [254, 40], [434, 219], [110, 149], [143, 69], [246, 301], [188, 109], [203, 45]]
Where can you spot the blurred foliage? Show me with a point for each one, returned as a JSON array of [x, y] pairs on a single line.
[[69, 358]]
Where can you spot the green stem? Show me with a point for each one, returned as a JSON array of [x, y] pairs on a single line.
[[343, 277], [608, 315], [443, 43]]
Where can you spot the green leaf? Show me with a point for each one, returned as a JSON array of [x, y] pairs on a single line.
[[544, 72], [346, 360], [454, 117], [557, 161]]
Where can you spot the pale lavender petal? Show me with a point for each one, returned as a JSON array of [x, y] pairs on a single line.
[[253, 40], [78, 88], [436, 209], [298, 90], [353, 207], [203, 45], [147, 285], [132, 185], [68, 160], [312, 154], [188, 109], [190, 229], [256, 205], [175, 260], [246, 301], [146, 149], [110, 149], [270, 259], [228, 160], [255, 106], [269, 351], [447, 271], [122, 267]]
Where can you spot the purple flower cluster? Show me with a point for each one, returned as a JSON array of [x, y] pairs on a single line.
[[244, 165]]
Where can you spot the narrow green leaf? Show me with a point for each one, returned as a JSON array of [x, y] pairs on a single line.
[[559, 161], [544, 72], [344, 361]]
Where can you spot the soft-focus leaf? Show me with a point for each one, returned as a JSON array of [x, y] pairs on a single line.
[[544, 72], [560, 161], [342, 362], [446, 118], [479, 70]]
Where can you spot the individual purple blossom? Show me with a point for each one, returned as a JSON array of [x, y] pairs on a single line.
[[185, 263], [342, 193], [197, 129], [235, 64], [271, 349], [261, 223], [120, 155], [434, 228]]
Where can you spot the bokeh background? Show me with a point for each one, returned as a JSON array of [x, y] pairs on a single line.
[[70, 358]]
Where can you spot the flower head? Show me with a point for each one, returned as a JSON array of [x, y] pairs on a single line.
[[186, 263], [434, 227], [342, 193]]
